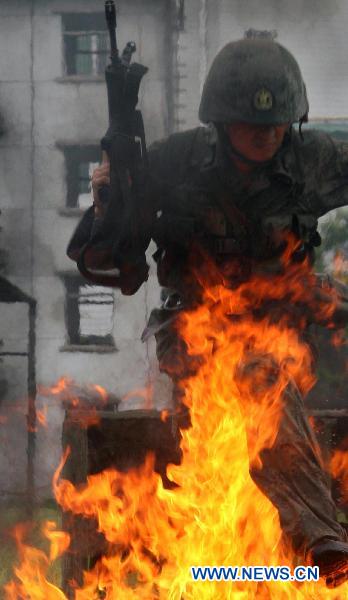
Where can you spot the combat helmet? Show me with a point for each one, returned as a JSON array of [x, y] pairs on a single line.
[[254, 80]]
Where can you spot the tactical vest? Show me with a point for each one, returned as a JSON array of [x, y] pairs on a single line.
[[202, 209]]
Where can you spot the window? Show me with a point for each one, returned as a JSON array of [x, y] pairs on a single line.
[[85, 43], [89, 313], [80, 161]]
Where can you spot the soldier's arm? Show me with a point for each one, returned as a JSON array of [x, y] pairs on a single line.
[[329, 158], [81, 235], [95, 213]]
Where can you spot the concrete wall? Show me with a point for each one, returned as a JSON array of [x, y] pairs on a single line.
[[43, 109], [16, 221], [314, 30], [14, 330]]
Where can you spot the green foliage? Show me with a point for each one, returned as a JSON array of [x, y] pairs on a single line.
[[331, 372], [334, 234]]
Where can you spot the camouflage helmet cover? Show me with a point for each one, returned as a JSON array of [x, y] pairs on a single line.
[[254, 81]]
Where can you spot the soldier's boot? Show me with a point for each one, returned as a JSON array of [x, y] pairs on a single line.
[[331, 557]]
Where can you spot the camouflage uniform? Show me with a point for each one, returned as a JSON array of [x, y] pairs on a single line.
[[198, 198]]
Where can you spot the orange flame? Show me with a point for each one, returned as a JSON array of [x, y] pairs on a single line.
[[250, 349], [145, 393], [89, 399], [74, 395], [165, 415], [338, 339], [339, 470], [41, 416], [59, 541], [31, 574], [340, 263]]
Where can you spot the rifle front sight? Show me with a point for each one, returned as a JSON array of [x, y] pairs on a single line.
[[110, 16]]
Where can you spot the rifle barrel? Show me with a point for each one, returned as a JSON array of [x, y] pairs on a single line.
[[110, 16]]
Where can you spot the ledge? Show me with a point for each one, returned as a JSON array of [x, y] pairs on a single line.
[[80, 79], [136, 413], [96, 348], [67, 273], [67, 144], [71, 212]]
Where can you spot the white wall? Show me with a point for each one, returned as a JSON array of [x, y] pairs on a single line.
[[41, 109], [314, 30]]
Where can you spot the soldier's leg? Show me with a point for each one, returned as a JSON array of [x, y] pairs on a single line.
[[174, 360], [291, 475]]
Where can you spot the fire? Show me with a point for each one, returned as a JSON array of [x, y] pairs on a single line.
[[340, 265], [164, 415], [31, 573], [145, 394], [339, 470], [59, 541], [89, 399], [216, 515], [76, 396], [338, 339], [41, 416]]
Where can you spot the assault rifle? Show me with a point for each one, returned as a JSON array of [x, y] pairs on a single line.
[[120, 234]]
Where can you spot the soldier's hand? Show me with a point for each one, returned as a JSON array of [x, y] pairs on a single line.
[[100, 178]]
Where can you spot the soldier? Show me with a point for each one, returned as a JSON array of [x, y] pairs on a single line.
[[238, 187]]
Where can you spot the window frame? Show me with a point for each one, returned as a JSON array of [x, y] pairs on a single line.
[[72, 317], [75, 25], [74, 156]]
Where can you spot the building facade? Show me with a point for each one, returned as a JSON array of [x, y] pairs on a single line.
[[53, 102]]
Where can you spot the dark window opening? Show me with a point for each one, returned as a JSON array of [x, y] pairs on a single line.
[[89, 313], [85, 43], [80, 161]]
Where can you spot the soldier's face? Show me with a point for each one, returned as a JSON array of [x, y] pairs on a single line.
[[256, 142]]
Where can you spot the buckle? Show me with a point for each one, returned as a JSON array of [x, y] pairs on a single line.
[[173, 302]]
